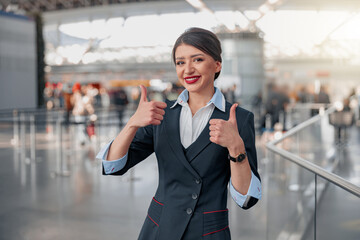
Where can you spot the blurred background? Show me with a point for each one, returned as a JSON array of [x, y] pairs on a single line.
[[69, 77]]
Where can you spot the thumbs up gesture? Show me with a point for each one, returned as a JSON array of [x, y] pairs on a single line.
[[147, 112], [225, 133]]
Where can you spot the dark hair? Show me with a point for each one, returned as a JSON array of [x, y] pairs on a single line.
[[203, 40]]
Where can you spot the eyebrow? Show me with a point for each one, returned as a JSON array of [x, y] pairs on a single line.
[[192, 56]]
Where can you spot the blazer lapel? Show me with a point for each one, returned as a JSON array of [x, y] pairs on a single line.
[[204, 139], [173, 136]]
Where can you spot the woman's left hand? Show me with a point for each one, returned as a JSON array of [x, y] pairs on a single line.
[[226, 134]]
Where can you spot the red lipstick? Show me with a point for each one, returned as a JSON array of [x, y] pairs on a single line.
[[192, 79]]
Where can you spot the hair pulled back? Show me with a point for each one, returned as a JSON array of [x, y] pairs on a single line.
[[203, 40]]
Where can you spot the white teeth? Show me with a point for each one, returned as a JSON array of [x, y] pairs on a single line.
[[190, 79]]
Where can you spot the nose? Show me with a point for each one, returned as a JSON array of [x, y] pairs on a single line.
[[189, 68]]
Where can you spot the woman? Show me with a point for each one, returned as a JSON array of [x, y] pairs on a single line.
[[200, 141]]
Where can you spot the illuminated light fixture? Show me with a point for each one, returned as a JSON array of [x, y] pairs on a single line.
[[273, 1], [252, 15], [264, 8], [198, 4]]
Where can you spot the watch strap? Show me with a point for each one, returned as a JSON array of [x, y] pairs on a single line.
[[240, 157]]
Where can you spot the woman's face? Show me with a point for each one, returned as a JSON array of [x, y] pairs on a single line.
[[195, 69]]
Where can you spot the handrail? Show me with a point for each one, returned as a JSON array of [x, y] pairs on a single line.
[[308, 106], [339, 181], [302, 125], [331, 177]]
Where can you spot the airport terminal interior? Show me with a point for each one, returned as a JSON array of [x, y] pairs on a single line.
[[70, 73]]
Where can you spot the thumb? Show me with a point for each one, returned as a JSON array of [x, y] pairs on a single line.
[[232, 116], [143, 97]]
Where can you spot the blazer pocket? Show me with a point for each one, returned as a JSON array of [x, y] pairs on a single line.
[[216, 225], [150, 228], [154, 212]]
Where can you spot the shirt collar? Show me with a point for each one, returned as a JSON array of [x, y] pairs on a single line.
[[218, 99]]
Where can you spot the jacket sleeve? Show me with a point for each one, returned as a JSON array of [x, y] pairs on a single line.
[[140, 148], [247, 133]]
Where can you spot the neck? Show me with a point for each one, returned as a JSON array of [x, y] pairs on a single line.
[[199, 100]]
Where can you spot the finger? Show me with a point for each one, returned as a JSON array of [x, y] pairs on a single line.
[[213, 128], [215, 121], [155, 122], [159, 111], [160, 104], [214, 133], [158, 117], [232, 116], [214, 140], [143, 96]]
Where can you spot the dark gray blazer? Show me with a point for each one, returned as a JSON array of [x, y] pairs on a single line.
[[191, 198]]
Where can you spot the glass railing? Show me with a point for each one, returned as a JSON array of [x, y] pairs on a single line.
[[30, 128], [306, 199], [306, 192]]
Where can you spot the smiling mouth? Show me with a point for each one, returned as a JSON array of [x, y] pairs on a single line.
[[192, 79]]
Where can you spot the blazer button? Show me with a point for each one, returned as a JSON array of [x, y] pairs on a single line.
[[189, 211], [197, 181], [194, 196]]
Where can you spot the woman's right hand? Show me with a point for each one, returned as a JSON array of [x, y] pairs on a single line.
[[147, 112]]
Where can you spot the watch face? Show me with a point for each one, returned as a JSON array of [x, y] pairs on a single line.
[[239, 158]]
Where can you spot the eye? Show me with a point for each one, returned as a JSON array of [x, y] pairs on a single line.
[[198, 60], [179, 63]]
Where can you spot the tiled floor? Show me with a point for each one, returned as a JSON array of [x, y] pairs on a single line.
[[43, 198]]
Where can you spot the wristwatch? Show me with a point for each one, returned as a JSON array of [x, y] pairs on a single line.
[[239, 158]]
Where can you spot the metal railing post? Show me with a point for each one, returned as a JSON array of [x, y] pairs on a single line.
[[60, 163], [22, 136], [15, 140], [315, 207], [32, 138], [58, 147]]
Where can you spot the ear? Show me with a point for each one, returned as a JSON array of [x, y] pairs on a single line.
[[218, 66]]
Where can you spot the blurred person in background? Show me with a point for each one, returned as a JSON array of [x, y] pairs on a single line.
[[283, 105], [258, 109], [170, 92], [321, 98], [202, 143], [67, 93], [229, 94], [49, 95], [58, 95], [135, 95], [276, 104], [305, 95], [121, 101], [105, 98], [354, 102], [83, 106]]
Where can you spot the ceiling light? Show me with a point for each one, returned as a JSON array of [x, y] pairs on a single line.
[[198, 4], [264, 8], [273, 1]]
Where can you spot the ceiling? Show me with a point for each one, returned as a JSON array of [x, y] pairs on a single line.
[[68, 10]]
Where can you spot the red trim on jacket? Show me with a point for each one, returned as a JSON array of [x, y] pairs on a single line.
[[216, 231], [152, 220], [158, 202], [225, 210]]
